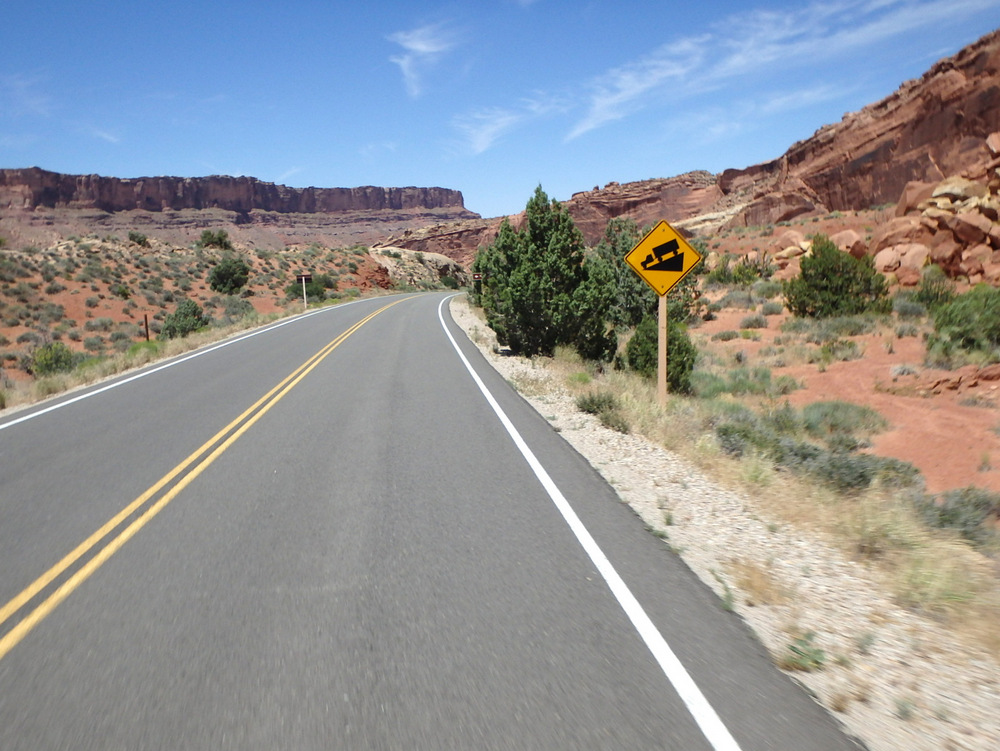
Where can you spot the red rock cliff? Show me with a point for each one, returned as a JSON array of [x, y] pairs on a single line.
[[34, 187], [928, 129]]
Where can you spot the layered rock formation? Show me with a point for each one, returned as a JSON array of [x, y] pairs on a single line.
[[33, 188], [929, 129]]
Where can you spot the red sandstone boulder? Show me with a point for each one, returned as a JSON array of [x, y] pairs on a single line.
[[914, 194], [887, 260], [851, 242], [901, 231], [913, 256], [970, 227]]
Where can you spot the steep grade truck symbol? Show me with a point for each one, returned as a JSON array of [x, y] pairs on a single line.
[[662, 258], [665, 258]]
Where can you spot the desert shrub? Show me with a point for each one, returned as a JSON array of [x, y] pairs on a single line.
[[54, 288], [834, 283], [831, 420], [823, 330], [966, 511], [935, 288], [93, 343], [851, 472], [906, 329], [99, 324], [219, 239], [605, 405], [642, 354], [775, 435], [54, 357], [450, 282], [743, 433], [750, 270], [840, 350], [722, 274], [595, 402], [766, 289], [139, 239], [615, 420], [907, 307], [725, 336], [235, 308], [737, 298], [970, 322], [186, 318], [772, 308], [755, 321], [744, 272], [229, 275], [741, 381]]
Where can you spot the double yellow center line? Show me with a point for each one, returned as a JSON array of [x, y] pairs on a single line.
[[214, 447]]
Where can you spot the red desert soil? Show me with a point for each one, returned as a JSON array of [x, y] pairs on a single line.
[[949, 436]]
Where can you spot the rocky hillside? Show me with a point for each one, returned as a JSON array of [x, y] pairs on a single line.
[[931, 128]]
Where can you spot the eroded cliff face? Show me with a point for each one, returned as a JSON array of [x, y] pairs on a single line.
[[929, 129], [37, 188]]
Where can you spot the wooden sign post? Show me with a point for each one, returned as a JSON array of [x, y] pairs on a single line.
[[662, 258]]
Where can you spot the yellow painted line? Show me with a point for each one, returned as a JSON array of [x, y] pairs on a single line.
[[21, 629]]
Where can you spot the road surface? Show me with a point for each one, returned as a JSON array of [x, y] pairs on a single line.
[[345, 531]]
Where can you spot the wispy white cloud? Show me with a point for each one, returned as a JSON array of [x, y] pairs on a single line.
[[743, 46], [21, 94], [422, 47], [482, 128], [776, 104], [287, 175], [617, 93], [104, 135]]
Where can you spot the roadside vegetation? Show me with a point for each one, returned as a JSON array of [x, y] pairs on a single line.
[[809, 466], [79, 310]]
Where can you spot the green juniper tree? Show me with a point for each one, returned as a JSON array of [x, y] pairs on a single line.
[[537, 290], [835, 283]]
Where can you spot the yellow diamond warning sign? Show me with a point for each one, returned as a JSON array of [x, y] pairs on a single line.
[[662, 258]]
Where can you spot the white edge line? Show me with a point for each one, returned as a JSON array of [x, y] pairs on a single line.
[[703, 713], [197, 353]]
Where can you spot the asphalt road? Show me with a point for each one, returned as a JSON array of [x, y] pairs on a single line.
[[380, 553]]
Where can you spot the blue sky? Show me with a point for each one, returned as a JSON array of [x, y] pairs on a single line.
[[491, 97]]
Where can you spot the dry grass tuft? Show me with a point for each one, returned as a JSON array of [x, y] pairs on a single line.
[[757, 583]]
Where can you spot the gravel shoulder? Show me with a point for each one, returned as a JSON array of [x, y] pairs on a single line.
[[895, 679]]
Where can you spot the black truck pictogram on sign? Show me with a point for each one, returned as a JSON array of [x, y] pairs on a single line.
[[665, 258]]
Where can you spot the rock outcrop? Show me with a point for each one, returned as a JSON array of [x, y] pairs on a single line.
[[928, 129], [954, 223], [33, 188]]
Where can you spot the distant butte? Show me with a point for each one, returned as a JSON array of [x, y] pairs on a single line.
[[33, 188]]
